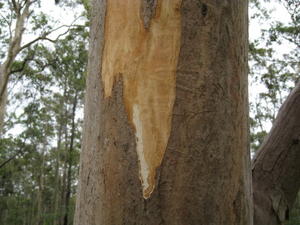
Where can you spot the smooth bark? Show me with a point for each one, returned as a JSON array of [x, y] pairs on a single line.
[[40, 194], [69, 161], [22, 13], [276, 172], [22, 10], [56, 197]]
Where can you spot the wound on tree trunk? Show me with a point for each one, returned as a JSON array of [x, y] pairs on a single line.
[[166, 134], [147, 63]]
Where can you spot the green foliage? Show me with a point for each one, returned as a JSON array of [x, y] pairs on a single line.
[[275, 72], [40, 21], [39, 154], [87, 6]]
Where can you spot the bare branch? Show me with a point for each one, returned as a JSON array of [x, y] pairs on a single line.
[[24, 63], [45, 35], [10, 26], [16, 7], [8, 160], [20, 151]]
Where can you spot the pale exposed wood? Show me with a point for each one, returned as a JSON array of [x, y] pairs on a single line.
[[146, 59], [204, 175]]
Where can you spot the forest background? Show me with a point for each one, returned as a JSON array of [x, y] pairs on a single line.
[[42, 99]]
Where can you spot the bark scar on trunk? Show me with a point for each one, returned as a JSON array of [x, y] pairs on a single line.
[[147, 61], [148, 11]]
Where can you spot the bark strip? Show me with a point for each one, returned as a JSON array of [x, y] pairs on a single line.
[[147, 62]]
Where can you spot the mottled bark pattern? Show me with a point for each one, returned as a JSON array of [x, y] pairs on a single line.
[[203, 178], [276, 172], [148, 11]]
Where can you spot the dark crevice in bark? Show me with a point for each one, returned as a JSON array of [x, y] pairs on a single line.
[[204, 9], [148, 11]]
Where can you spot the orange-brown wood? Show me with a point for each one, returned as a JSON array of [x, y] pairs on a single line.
[[146, 59]]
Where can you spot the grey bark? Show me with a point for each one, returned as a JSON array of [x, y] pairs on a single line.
[[22, 12], [40, 194], [13, 50], [205, 174], [69, 161], [276, 172], [56, 198]]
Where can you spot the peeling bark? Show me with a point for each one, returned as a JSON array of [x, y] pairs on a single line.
[[206, 150], [147, 63], [276, 173]]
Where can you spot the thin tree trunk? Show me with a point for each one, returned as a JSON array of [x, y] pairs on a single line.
[[64, 177], [13, 50], [166, 134], [3, 102], [39, 212], [58, 188], [69, 176], [57, 178], [276, 171], [32, 209]]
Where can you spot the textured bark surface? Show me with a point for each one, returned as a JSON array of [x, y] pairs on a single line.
[[276, 172], [203, 177]]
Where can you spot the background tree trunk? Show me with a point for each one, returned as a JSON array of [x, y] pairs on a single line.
[[70, 162], [40, 195], [63, 206], [22, 14], [166, 134], [276, 173], [57, 193]]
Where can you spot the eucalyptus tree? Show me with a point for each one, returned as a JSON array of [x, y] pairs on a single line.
[[165, 132], [50, 102], [276, 168], [151, 145], [38, 164], [274, 69], [18, 19]]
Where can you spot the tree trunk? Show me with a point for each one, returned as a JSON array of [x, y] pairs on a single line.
[[3, 98], [22, 14], [166, 133], [40, 197], [65, 171], [69, 175], [276, 173], [61, 121], [57, 193]]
